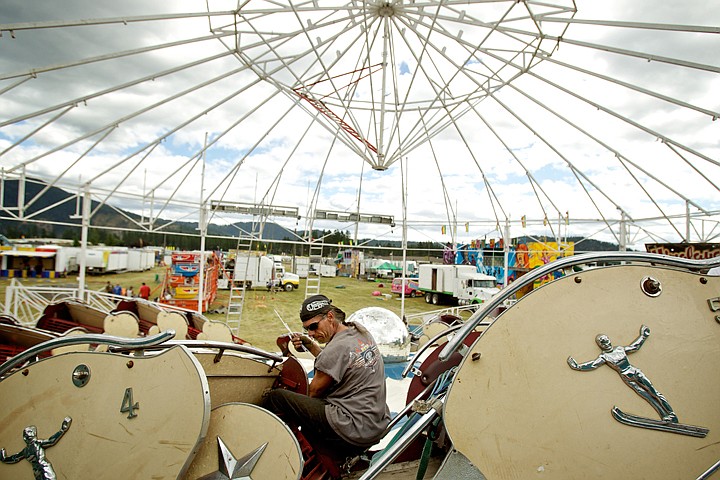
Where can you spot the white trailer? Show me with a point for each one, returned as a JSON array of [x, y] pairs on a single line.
[[134, 260], [261, 271], [302, 266], [455, 283], [106, 259], [140, 259], [66, 258], [323, 269], [328, 271]]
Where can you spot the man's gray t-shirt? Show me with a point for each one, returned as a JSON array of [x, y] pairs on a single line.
[[357, 408]]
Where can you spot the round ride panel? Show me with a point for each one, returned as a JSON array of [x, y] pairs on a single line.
[[639, 403], [97, 414], [255, 444]]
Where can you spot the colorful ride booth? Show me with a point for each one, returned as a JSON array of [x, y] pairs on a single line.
[[185, 275], [493, 257]]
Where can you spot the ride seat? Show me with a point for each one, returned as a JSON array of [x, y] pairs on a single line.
[[171, 321], [60, 325]]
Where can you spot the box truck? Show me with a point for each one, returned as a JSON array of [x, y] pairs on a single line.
[[261, 271], [461, 284]]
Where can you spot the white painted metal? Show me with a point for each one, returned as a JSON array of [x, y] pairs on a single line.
[[475, 91]]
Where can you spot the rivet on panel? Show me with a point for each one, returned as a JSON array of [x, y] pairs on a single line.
[[651, 286], [81, 376]]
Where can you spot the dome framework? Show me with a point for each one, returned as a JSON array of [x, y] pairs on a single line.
[[544, 118]]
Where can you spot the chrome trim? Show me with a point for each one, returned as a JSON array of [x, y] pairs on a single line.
[[530, 277], [409, 406], [664, 425], [210, 344], [94, 338], [706, 474], [427, 345], [392, 452]]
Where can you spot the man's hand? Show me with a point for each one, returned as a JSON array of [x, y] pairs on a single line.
[[301, 342]]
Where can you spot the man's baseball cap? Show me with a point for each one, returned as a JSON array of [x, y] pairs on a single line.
[[313, 306]]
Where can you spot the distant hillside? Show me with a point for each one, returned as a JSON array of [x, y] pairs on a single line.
[[46, 224], [119, 232]]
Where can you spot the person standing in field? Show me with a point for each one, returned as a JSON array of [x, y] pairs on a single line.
[[144, 291]]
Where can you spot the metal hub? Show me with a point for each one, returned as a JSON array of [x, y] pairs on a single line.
[[386, 9]]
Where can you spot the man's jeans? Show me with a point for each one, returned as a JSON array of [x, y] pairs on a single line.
[[309, 414]]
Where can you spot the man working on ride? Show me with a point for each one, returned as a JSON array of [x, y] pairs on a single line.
[[345, 407]]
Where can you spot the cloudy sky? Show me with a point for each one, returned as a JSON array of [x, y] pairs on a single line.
[[472, 115]]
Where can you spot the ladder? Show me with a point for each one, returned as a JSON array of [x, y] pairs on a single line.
[[312, 285], [236, 301]]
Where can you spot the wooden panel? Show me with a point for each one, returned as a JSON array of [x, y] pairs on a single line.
[[158, 442], [520, 410], [245, 429]]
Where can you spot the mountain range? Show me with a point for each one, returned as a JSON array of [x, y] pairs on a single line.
[[61, 221], [58, 217]]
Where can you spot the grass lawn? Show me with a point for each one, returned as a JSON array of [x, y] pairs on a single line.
[[259, 324]]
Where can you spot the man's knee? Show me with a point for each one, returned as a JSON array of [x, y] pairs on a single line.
[[275, 399]]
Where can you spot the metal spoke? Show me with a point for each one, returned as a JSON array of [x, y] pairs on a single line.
[[466, 111]]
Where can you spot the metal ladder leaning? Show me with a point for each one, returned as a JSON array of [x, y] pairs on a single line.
[[236, 302], [312, 285]]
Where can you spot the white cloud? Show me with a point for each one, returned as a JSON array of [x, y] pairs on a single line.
[[276, 146]]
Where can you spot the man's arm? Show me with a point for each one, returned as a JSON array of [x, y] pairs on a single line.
[[57, 436], [12, 458], [320, 384]]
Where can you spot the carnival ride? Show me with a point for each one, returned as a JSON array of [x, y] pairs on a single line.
[[507, 117], [191, 280], [497, 398]]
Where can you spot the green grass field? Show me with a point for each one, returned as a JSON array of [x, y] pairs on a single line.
[[260, 325]]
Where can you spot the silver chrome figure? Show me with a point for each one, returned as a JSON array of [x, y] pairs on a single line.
[[34, 452], [617, 359]]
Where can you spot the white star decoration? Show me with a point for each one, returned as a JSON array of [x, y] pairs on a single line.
[[231, 468]]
